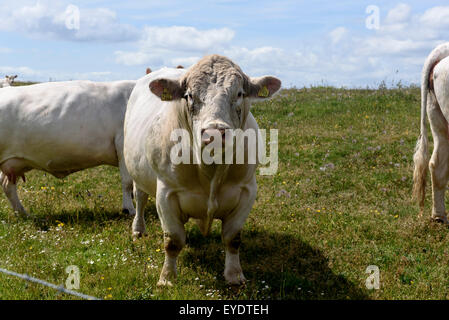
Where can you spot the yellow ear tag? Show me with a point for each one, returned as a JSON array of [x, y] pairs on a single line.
[[166, 95], [263, 92]]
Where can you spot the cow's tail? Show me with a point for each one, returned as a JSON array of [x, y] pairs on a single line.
[[421, 158]]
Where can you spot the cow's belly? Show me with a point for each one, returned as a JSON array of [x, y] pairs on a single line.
[[62, 166], [194, 203], [59, 163]]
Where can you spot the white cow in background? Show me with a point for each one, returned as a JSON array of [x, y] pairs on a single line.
[[8, 81], [61, 128], [215, 94], [434, 103]]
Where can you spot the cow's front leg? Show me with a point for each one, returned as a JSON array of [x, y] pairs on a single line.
[[10, 189], [231, 233], [174, 241], [139, 219], [127, 189], [174, 232]]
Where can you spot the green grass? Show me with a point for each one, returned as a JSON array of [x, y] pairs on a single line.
[[311, 234]]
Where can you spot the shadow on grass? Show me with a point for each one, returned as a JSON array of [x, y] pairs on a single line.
[[278, 266], [86, 217]]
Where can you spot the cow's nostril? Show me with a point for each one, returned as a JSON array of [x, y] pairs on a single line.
[[223, 134], [207, 135], [208, 141]]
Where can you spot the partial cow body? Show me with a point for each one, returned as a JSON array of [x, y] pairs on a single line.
[[61, 128], [435, 104], [210, 92], [7, 82]]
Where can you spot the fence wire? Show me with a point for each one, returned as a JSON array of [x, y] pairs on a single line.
[[48, 284]]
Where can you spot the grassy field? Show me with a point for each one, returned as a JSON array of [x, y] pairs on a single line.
[[341, 201]]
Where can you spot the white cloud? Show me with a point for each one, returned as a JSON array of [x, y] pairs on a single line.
[[436, 17], [337, 34], [398, 14], [394, 52], [28, 74], [266, 59], [342, 54], [22, 72], [47, 19], [182, 38], [174, 45], [386, 45], [187, 61], [137, 58]]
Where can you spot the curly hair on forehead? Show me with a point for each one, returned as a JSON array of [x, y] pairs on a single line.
[[213, 69]]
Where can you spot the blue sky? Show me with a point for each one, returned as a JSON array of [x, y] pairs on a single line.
[[302, 42]]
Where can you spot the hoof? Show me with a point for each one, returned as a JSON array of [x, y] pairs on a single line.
[[129, 212], [440, 219], [236, 279], [164, 283], [21, 214], [138, 235]]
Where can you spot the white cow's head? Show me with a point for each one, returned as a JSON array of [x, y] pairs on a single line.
[[217, 94], [10, 79]]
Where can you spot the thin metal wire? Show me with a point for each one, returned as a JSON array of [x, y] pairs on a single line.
[[48, 284]]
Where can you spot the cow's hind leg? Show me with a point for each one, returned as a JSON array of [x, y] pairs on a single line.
[[127, 189], [439, 162], [139, 219], [10, 188]]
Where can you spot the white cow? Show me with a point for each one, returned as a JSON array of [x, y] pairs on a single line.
[[61, 128], [8, 81], [434, 103], [215, 94]]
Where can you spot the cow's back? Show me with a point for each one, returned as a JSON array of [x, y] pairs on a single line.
[[63, 126]]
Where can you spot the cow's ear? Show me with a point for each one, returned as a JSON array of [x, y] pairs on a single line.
[[263, 87], [15, 76], [166, 89]]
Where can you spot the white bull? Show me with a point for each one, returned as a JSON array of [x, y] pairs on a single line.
[[7, 82], [61, 128], [215, 95], [434, 103]]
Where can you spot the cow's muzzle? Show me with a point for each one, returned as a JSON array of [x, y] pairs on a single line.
[[210, 134]]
